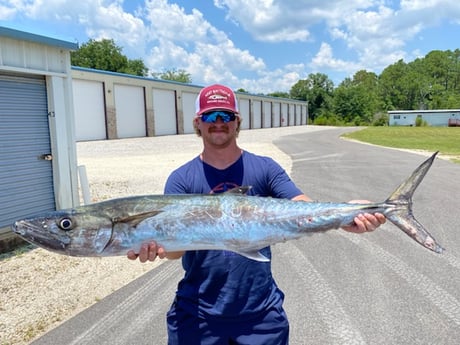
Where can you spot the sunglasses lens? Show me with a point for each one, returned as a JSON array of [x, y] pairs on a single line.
[[212, 117]]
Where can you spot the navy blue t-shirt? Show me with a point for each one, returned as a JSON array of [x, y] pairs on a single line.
[[219, 283]]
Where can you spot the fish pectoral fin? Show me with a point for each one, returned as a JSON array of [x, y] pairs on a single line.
[[135, 219], [255, 255]]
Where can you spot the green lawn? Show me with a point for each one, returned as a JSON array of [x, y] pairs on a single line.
[[446, 140]]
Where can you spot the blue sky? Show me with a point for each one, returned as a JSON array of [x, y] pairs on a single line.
[[261, 46]]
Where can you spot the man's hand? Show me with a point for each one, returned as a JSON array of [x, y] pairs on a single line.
[[150, 251], [365, 222]]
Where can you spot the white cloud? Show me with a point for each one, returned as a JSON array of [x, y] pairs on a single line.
[[112, 22], [372, 34], [7, 12], [373, 31], [187, 41], [324, 59], [267, 20], [100, 19]]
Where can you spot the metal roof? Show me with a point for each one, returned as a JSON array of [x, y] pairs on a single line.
[[27, 36], [432, 111]]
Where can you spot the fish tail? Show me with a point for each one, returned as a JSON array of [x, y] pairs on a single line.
[[401, 214]]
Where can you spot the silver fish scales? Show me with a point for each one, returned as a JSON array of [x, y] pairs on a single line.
[[230, 221]]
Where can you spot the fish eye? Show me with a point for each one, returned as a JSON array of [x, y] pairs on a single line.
[[65, 224]]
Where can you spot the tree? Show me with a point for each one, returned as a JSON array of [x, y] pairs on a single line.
[[430, 82], [318, 90], [180, 76], [107, 56], [392, 88], [136, 67], [279, 94]]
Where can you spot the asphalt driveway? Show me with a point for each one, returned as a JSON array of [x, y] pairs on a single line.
[[341, 288]]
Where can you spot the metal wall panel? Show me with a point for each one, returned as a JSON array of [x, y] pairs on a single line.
[[30, 55], [26, 181]]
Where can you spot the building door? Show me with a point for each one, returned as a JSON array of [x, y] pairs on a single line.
[[26, 176]]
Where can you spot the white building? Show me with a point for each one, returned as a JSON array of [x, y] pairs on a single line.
[[37, 141], [440, 118], [110, 105]]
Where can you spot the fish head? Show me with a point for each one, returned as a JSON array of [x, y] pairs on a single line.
[[74, 232]]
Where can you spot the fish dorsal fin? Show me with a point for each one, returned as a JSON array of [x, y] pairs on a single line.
[[135, 219], [239, 190]]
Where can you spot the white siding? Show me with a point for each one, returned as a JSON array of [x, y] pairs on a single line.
[[26, 55]]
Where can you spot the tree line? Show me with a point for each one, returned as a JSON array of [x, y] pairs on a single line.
[[430, 82]]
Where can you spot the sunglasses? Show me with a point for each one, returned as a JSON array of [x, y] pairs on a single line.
[[212, 116]]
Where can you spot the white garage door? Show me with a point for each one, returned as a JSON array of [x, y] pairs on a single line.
[[164, 110], [89, 108], [130, 109]]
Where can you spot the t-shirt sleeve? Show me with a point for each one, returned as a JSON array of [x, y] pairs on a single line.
[[175, 184], [279, 181], [268, 178], [186, 179]]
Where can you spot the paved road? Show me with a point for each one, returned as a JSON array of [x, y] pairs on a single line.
[[376, 288]]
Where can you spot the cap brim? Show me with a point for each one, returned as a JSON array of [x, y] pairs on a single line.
[[207, 110]]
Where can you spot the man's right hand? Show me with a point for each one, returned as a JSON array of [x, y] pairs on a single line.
[[150, 251]]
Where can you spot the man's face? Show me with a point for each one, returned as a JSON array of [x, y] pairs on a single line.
[[218, 130]]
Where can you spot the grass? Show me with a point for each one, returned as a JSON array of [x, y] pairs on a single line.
[[27, 247], [446, 140]]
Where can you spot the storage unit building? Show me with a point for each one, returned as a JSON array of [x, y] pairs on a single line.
[[110, 105], [37, 146], [438, 117]]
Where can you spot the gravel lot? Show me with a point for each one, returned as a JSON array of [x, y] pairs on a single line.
[[40, 289]]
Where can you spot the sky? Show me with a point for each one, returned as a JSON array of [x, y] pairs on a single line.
[[261, 46]]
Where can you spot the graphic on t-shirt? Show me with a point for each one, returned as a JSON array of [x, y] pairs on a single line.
[[223, 187]]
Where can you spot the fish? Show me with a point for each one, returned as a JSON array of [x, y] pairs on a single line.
[[231, 221]]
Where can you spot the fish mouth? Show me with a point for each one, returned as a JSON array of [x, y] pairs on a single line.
[[39, 236]]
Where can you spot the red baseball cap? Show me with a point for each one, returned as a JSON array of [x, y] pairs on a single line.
[[216, 97]]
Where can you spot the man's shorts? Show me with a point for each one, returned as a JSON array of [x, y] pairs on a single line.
[[270, 327]]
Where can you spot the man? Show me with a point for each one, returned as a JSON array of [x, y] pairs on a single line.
[[225, 298]]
